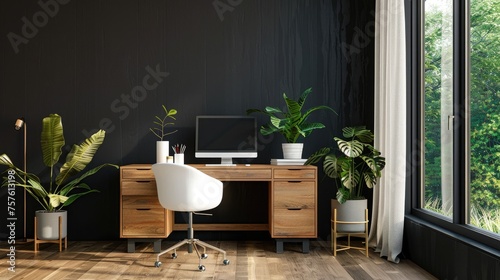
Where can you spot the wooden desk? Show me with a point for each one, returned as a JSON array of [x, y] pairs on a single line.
[[292, 203]]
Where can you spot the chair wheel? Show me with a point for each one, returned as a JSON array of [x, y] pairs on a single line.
[[225, 262], [174, 255], [201, 267], [204, 256], [157, 264]]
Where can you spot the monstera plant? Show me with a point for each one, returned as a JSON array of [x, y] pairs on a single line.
[[357, 166]]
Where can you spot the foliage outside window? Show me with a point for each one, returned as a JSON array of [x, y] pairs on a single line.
[[483, 116]]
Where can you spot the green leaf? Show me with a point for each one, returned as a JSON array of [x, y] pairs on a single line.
[[52, 139], [56, 200], [342, 195], [351, 149], [77, 181], [75, 196], [349, 177], [317, 156], [80, 156], [331, 166]]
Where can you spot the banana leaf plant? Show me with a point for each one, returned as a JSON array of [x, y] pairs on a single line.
[[63, 188], [291, 123], [359, 164]]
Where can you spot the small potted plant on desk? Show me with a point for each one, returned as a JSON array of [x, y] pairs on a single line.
[[162, 146], [62, 188], [291, 123], [358, 166]]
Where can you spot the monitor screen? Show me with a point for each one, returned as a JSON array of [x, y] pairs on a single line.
[[226, 137]]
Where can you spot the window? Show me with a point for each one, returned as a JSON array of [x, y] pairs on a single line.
[[438, 107], [460, 114], [484, 116]]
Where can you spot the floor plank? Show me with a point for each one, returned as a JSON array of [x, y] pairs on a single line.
[[248, 260]]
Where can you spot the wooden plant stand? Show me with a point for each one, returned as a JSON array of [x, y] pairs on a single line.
[[336, 234], [58, 241]]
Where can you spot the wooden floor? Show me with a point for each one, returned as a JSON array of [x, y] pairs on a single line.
[[249, 260]]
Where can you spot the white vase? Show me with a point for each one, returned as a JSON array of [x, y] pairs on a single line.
[[47, 224], [292, 150], [162, 148], [350, 211]]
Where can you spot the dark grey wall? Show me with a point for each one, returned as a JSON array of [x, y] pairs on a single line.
[[448, 255], [88, 61]]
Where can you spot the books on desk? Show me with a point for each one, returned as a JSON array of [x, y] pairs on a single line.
[[280, 161]]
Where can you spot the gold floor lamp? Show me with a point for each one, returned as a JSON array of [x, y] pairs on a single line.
[[21, 123]]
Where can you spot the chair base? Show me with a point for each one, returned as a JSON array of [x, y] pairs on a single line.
[[195, 243], [192, 243]]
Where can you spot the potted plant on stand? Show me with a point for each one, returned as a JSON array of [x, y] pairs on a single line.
[[291, 123], [358, 166], [62, 187], [162, 146]]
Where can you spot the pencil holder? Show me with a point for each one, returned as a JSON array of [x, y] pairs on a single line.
[[179, 158]]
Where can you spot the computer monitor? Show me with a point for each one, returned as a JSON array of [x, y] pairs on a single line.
[[226, 137]]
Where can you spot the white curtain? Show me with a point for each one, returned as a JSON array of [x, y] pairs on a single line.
[[386, 232]]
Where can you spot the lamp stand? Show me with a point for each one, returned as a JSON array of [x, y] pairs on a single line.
[[24, 203]]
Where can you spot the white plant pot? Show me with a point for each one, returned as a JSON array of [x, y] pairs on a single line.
[[292, 150], [350, 211], [162, 148], [47, 224]]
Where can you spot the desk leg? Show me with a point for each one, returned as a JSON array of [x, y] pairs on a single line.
[[131, 244], [280, 241]]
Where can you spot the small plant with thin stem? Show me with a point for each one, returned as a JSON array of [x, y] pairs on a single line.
[[161, 123]]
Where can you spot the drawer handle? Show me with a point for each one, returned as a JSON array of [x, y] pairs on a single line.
[[143, 182], [294, 169], [294, 181], [294, 208], [143, 169], [143, 209]]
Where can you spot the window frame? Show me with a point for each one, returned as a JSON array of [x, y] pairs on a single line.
[[459, 224]]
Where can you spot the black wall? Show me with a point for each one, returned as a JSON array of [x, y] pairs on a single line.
[[87, 60]]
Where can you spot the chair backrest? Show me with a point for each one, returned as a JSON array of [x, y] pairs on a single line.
[[184, 188]]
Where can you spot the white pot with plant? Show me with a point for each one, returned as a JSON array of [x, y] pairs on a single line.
[[62, 187], [355, 166], [291, 123], [163, 146]]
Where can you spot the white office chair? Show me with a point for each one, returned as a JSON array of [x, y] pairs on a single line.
[[184, 188]]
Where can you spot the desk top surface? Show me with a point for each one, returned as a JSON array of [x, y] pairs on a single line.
[[242, 172], [237, 166]]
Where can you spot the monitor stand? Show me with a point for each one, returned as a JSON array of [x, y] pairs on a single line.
[[223, 162]]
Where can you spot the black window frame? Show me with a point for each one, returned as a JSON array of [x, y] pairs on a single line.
[[458, 227]]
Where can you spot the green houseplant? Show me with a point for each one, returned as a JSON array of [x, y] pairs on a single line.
[[291, 123], [162, 146], [162, 122], [359, 164], [354, 164], [65, 186]]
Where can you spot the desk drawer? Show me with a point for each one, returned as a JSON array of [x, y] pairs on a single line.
[[297, 195], [145, 187], [137, 173], [296, 223], [239, 174], [294, 173], [140, 202], [143, 222]]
